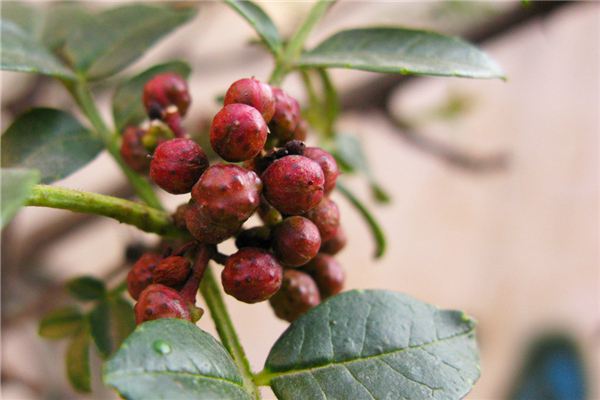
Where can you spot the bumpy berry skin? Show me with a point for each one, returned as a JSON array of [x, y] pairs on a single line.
[[336, 243], [251, 275], [296, 241], [327, 273], [165, 90], [133, 151], [238, 132], [327, 164], [301, 131], [287, 116], [254, 93], [160, 301], [326, 216], [172, 271], [258, 236], [140, 275], [177, 164], [204, 229], [298, 294], [228, 193], [293, 184]]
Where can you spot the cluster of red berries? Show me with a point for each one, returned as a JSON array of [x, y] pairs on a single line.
[[288, 260]]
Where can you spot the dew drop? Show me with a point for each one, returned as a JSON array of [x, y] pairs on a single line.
[[161, 347]]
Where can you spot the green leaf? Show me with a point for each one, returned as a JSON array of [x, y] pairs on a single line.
[[127, 100], [351, 156], [374, 345], [86, 288], [122, 319], [49, 140], [48, 25], [173, 359], [260, 21], [16, 187], [61, 323], [117, 37], [404, 51], [28, 18], [78, 362], [100, 328], [61, 19], [20, 52], [376, 230]]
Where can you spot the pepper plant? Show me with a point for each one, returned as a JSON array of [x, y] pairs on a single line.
[[371, 344]]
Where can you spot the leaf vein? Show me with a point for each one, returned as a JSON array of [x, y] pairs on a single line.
[[278, 374]]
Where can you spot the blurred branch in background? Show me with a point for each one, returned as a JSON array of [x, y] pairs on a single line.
[[377, 93]]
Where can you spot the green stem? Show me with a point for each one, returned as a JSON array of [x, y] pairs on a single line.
[[218, 311], [141, 216], [278, 73], [284, 63], [376, 230], [83, 96], [296, 42], [263, 378]]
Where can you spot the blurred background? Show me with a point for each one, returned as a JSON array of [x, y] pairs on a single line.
[[494, 185]]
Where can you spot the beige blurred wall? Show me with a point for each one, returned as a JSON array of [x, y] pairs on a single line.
[[517, 248]]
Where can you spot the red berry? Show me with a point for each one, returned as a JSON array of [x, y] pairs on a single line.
[[133, 151], [326, 216], [177, 164], [301, 131], [140, 275], [287, 116], [293, 184], [327, 273], [238, 132], [254, 93], [164, 90], [228, 193], [205, 229], [160, 301], [296, 241], [251, 275], [336, 243], [298, 294], [327, 164], [172, 271]]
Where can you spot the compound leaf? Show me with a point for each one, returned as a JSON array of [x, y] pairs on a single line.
[[117, 37], [20, 52], [374, 345], [260, 21], [173, 359], [404, 51], [51, 141], [16, 187]]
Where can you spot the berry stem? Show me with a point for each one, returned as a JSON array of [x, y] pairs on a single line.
[[376, 230], [84, 99], [141, 216], [173, 120], [218, 311], [184, 248], [190, 288]]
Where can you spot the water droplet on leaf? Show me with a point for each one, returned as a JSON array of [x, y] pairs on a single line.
[[161, 347]]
